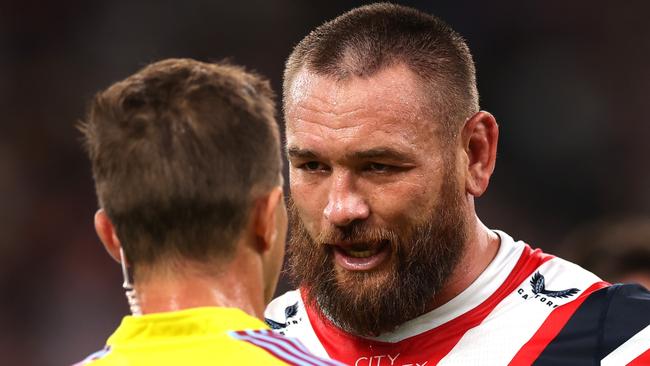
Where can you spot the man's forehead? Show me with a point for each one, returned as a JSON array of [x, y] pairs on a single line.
[[393, 85], [387, 109]]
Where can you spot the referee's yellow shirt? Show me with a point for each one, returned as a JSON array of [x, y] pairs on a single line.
[[200, 336]]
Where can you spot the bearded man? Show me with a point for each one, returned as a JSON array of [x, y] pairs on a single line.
[[388, 149]]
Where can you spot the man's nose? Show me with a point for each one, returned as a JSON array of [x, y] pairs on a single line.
[[345, 204]]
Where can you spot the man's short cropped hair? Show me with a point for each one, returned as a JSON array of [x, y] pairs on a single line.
[[179, 151], [371, 38]]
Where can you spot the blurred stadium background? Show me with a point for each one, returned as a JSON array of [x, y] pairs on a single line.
[[567, 80]]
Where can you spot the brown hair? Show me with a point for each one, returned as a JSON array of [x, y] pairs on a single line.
[[178, 152], [371, 38]]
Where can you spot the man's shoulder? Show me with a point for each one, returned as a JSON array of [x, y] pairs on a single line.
[[626, 324], [601, 321], [246, 347], [627, 307], [200, 336], [544, 277], [548, 269], [612, 324], [287, 350]]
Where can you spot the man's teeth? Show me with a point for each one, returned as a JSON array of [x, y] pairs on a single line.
[[361, 253]]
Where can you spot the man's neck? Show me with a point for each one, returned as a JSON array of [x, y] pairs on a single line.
[[481, 249], [186, 286]]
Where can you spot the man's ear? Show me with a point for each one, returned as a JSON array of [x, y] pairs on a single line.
[[480, 136], [106, 232], [265, 220]]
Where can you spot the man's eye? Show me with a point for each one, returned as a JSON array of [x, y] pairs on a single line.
[[378, 167], [313, 166]]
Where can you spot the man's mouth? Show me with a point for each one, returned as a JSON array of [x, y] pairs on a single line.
[[361, 256], [360, 253]]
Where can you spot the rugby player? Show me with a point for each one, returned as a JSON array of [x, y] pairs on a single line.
[[388, 150]]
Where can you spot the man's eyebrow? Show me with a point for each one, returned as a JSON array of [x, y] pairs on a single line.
[[298, 153], [374, 153], [381, 153]]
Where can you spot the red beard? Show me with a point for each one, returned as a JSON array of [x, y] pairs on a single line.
[[422, 258]]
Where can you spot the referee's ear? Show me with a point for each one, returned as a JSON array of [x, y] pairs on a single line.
[[106, 232]]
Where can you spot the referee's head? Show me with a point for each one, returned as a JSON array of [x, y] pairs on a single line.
[[187, 166]]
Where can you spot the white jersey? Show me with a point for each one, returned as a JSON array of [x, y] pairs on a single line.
[[526, 308]]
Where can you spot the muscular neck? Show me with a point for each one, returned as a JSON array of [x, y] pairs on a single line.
[[187, 284], [481, 248]]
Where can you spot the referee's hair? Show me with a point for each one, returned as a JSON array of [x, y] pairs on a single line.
[[179, 152]]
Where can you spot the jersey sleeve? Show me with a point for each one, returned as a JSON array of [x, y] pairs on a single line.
[[626, 326], [611, 327]]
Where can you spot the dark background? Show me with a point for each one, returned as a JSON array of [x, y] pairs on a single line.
[[567, 80]]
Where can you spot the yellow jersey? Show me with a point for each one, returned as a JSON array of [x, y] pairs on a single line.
[[200, 336]]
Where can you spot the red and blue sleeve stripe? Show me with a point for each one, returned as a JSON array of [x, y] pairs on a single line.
[[286, 349]]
